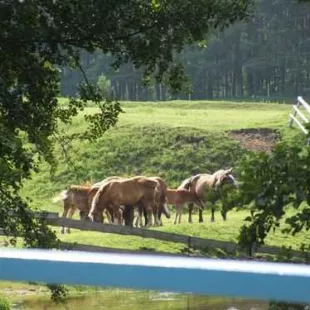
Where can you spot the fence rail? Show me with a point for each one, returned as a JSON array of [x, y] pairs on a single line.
[[53, 219], [256, 280], [195, 242], [302, 118]]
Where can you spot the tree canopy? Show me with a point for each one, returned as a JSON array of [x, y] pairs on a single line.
[[264, 58], [38, 37]]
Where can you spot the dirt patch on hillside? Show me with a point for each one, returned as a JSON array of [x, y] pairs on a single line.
[[256, 139]]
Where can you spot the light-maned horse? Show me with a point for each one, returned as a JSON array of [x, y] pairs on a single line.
[[127, 212], [178, 197], [204, 184], [128, 192], [114, 215]]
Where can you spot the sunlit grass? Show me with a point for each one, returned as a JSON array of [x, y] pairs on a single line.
[[151, 138]]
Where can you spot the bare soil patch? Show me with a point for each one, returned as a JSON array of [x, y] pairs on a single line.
[[256, 139]]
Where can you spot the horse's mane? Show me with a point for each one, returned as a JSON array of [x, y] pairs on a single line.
[[79, 188], [96, 198], [87, 183], [187, 183]]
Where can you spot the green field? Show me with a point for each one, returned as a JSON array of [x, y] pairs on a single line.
[[173, 140], [206, 115]]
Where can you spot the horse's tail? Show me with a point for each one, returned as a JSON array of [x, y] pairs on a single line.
[[62, 196], [166, 211], [199, 202]]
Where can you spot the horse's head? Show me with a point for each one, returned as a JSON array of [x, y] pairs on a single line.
[[95, 217], [225, 177]]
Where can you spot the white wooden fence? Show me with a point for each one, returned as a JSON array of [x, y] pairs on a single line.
[[299, 117]]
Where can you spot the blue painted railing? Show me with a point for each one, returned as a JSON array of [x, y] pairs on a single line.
[[256, 280]]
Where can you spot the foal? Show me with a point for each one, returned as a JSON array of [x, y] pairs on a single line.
[[77, 197], [179, 197]]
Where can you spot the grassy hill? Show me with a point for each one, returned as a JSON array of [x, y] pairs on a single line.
[[173, 140]]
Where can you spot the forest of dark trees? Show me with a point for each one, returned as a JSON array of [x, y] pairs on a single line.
[[267, 58]]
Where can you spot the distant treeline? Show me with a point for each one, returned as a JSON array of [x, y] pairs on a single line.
[[267, 58]]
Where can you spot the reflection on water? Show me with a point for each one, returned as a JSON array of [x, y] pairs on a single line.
[[120, 299]]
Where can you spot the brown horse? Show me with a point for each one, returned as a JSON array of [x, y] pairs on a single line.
[[128, 192], [114, 215], [178, 197], [75, 197], [205, 184]]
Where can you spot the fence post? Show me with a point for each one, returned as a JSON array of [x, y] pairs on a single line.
[[291, 119]]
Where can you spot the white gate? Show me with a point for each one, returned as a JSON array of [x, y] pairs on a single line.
[[302, 119]]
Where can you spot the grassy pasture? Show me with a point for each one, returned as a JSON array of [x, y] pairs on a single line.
[[173, 140], [206, 115]]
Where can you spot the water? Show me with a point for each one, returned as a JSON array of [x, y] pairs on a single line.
[[133, 300]]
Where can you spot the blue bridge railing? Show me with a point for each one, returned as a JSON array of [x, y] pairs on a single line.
[[230, 278]]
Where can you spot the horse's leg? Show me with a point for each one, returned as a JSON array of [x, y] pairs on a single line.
[[149, 211], [146, 219], [131, 216], [128, 215], [69, 215], [108, 215], [160, 212], [83, 215], [112, 217], [159, 215], [200, 216], [176, 214], [158, 219], [212, 214], [138, 217], [118, 216], [224, 214], [156, 209], [180, 213], [155, 218], [190, 210], [125, 216], [156, 222], [224, 210], [64, 214]]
